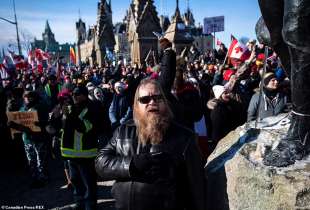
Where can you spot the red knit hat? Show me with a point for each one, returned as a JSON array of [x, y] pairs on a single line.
[[260, 57]]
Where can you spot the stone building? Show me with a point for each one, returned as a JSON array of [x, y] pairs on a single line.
[[178, 33], [121, 48], [50, 45], [93, 45], [203, 42], [142, 22], [164, 23]]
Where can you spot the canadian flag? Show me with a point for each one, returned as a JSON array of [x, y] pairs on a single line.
[[19, 62], [42, 59], [31, 58], [238, 50], [38, 54]]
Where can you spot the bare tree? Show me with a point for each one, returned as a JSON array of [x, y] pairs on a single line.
[[26, 38]]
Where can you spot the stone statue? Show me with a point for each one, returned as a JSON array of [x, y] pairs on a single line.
[[288, 22]]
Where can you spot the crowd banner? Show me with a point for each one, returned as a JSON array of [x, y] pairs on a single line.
[[27, 119]]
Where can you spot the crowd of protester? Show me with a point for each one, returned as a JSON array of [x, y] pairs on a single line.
[[207, 92]]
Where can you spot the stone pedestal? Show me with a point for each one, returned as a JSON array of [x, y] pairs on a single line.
[[238, 180]]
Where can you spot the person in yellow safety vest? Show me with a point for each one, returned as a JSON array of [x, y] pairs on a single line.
[[79, 146], [52, 88]]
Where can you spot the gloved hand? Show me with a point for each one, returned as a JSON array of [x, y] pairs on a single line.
[[19, 127], [142, 161], [12, 124], [160, 169], [140, 164]]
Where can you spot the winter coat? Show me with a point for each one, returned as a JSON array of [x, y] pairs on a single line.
[[120, 109], [167, 70], [87, 126], [189, 98], [267, 106], [182, 187], [166, 80], [225, 117]]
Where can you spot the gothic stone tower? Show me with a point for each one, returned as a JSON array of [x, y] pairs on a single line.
[[142, 22], [177, 32], [49, 38], [81, 37], [104, 38]]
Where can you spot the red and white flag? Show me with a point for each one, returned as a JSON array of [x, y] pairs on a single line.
[[42, 59], [19, 62], [238, 50], [31, 58], [38, 53]]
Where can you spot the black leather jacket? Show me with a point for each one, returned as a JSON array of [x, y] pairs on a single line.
[[183, 187]]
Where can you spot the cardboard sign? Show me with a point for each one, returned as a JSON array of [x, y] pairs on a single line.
[[24, 118]]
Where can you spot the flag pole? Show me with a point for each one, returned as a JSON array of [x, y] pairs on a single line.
[[17, 34], [226, 57], [261, 85]]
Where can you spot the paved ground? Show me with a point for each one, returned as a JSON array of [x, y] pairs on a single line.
[[15, 190]]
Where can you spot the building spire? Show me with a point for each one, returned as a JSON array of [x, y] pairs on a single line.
[[47, 26], [177, 14], [79, 14]]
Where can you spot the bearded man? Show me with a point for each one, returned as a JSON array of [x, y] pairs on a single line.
[[155, 161]]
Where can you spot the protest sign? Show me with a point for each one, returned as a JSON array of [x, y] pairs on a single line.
[[27, 119]]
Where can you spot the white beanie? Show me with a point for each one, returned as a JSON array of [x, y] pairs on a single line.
[[120, 85], [218, 90], [90, 86]]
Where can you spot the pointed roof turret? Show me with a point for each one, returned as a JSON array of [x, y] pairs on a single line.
[[188, 17], [47, 27], [177, 14], [177, 33], [104, 28], [138, 7]]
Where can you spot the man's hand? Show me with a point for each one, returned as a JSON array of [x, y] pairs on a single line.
[[142, 162], [161, 167], [66, 110], [19, 127], [12, 124]]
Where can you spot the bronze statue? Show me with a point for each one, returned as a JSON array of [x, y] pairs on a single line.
[[288, 22]]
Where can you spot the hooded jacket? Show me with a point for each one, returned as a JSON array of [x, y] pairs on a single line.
[[266, 107]]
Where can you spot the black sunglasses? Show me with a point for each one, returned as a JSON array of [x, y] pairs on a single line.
[[147, 99]]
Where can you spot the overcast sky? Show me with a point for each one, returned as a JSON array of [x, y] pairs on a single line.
[[240, 16]]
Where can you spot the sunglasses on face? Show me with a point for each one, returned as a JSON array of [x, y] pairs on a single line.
[[147, 99]]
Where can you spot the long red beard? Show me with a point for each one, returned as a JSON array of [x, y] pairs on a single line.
[[151, 128]]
